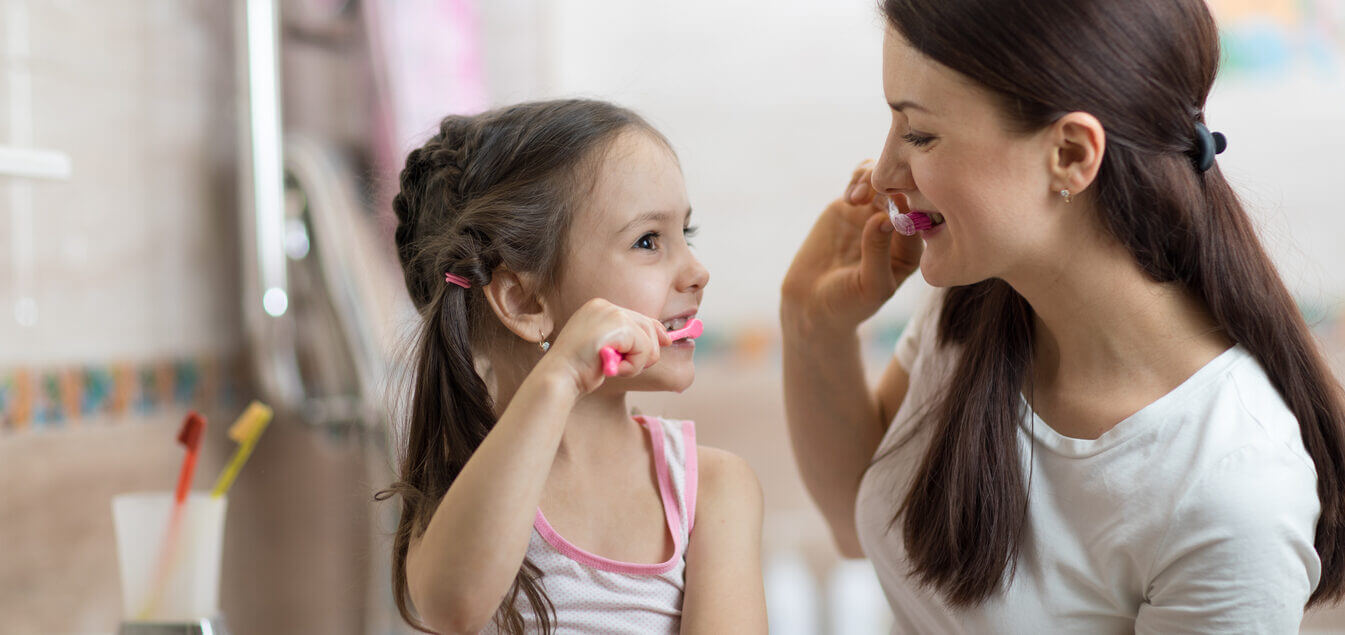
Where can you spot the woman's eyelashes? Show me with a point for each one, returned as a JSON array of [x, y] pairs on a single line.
[[918, 140]]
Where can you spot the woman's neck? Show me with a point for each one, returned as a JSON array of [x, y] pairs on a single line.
[[1104, 330]]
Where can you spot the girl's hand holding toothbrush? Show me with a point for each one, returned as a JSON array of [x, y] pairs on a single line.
[[598, 324], [851, 262]]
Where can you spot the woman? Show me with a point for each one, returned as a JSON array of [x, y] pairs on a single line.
[[1114, 418]]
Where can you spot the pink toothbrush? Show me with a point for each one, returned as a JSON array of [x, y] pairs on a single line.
[[611, 359], [908, 224]]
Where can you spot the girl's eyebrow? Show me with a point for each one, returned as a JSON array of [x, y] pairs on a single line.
[[654, 216]]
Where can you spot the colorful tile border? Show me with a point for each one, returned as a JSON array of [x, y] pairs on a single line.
[[33, 399]]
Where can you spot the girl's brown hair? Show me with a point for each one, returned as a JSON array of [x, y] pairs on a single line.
[[1144, 68], [492, 190]]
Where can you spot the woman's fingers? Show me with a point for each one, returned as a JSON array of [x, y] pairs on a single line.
[[860, 190], [875, 258]]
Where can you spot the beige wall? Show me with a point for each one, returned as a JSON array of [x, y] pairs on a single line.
[[135, 266]]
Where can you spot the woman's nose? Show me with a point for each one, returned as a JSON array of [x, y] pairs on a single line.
[[892, 173]]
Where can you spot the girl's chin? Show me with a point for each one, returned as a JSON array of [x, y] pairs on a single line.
[[676, 377]]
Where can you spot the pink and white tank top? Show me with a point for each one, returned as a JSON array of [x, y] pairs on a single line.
[[593, 594]]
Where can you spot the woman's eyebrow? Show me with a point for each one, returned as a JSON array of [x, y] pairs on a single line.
[[903, 105]]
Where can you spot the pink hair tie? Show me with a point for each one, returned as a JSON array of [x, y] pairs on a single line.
[[458, 280]]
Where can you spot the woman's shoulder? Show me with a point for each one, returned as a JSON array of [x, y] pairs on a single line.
[[1254, 465], [1248, 417]]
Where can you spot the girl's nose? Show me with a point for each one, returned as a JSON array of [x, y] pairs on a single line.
[[694, 276]]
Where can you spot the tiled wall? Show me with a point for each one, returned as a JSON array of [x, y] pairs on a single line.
[[135, 277]]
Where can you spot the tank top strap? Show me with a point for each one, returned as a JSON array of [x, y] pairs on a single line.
[[678, 439]]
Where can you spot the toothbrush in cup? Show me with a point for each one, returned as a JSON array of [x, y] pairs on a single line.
[[193, 427], [611, 359]]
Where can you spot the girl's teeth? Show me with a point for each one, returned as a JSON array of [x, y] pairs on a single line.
[[936, 217]]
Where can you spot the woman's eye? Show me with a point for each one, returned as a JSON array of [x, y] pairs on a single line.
[[917, 140], [689, 232], [647, 241]]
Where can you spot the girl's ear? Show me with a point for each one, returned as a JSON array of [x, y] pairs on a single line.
[[1078, 142], [515, 301]]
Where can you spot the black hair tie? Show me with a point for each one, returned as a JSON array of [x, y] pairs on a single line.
[[1208, 144]]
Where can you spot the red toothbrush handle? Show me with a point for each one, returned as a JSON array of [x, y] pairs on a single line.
[[184, 478]]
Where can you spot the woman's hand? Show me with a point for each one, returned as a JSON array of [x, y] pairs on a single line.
[[851, 262], [639, 338]]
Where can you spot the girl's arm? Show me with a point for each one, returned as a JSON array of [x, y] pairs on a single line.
[[849, 265], [724, 591], [459, 570]]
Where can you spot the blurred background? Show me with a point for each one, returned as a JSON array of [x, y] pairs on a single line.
[[194, 214]]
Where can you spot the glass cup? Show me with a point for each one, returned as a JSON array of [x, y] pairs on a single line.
[[170, 566]]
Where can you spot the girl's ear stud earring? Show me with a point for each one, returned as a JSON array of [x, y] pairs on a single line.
[[1065, 195]]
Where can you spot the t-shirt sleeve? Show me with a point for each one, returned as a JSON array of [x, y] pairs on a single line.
[[1238, 556], [908, 345]]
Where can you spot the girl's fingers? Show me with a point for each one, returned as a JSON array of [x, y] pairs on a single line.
[[651, 329], [645, 349], [661, 334]]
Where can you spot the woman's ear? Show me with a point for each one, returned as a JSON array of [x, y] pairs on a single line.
[[519, 307], [1078, 142]]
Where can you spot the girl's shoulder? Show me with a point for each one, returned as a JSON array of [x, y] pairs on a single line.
[[729, 487], [725, 468], [720, 485]]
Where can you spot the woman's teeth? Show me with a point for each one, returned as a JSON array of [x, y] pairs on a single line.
[[936, 218], [675, 323]]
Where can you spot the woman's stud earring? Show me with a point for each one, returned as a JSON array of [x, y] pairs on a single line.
[[1065, 195], [545, 345]]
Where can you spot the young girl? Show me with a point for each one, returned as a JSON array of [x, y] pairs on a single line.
[[531, 237]]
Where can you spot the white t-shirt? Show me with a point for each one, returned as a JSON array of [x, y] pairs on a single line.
[[1195, 514]]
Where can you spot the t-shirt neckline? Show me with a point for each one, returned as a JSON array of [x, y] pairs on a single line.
[[1143, 419]]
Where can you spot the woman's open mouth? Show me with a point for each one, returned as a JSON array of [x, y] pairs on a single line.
[[913, 222]]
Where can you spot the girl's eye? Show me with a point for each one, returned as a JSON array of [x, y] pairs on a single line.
[[690, 232], [646, 241], [916, 140]]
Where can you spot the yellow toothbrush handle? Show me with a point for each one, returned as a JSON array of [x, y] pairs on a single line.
[[226, 478]]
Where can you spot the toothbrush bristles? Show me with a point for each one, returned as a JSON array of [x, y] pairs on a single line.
[[907, 224], [910, 224]]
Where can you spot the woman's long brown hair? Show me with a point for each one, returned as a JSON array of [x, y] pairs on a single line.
[[1144, 68], [492, 190]]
